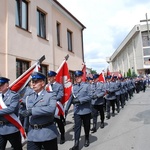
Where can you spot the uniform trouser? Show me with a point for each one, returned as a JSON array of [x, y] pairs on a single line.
[[104, 105], [78, 120], [94, 112], [109, 104], [126, 95], [137, 89], [14, 139], [144, 88], [130, 93], [122, 100], [118, 101], [60, 126], [98, 108], [47, 145]]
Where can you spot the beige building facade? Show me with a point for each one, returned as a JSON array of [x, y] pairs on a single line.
[[33, 28], [133, 53]]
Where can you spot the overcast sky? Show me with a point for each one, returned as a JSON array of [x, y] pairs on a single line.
[[107, 23]]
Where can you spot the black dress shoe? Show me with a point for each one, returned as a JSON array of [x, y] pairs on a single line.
[[113, 114], [93, 130], [102, 125], [108, 116], [87, 143], [118, 110], [62, 141]]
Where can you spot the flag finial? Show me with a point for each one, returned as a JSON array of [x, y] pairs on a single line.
[[41, 59], [66, 57]]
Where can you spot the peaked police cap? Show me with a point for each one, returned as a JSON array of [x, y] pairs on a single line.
[[78, 73], [3, 80], [89, 78], [109, 77], [38, 76], [95, 76], [51, 73]]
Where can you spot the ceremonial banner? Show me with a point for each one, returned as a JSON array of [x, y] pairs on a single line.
[[108, 72], [63, 77], [101, 77], [119, 75], [84, 73]]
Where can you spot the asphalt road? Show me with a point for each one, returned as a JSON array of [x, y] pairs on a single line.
[[128, 130]]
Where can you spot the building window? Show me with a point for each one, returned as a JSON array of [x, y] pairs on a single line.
[[146, 60], [22, 14], [41, 24], [21, 67], [72, 76], [69, 38], [146, 51], [44, 69], [145, 39], [58, 33]]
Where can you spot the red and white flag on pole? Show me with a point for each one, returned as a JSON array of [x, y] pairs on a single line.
[[108, 72], [63, 77], [119, 75], [101, 77], [84, 73], [12, 118], [17, 86]]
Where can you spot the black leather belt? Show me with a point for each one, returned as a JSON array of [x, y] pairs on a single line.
[[4, 122], [40, 126]]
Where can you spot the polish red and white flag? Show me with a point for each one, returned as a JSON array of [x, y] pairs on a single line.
[[63, 77], [84, 73], [101, 77]]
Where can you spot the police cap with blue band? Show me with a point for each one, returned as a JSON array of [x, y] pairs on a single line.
[[89, 78], [95, 76], [109, 77], [78, 73], [4, 80], [37, 76], [51, 73]]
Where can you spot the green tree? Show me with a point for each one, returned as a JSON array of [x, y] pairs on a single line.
[[134, 74], [93, 71], [129, 72], [124, 74]]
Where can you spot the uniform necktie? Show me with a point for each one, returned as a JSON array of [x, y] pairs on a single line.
[[95, 85], [3, 96], [52, 85], [36, 95]]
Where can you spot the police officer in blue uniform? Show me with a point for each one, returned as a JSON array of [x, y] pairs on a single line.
[[58, 89], [111, 88], [118, 92], [81, 99], [8, 131], [98, 92], [123, 90], [40, 107]]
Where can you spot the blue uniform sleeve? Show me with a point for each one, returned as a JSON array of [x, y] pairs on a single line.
[[12, 105]]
